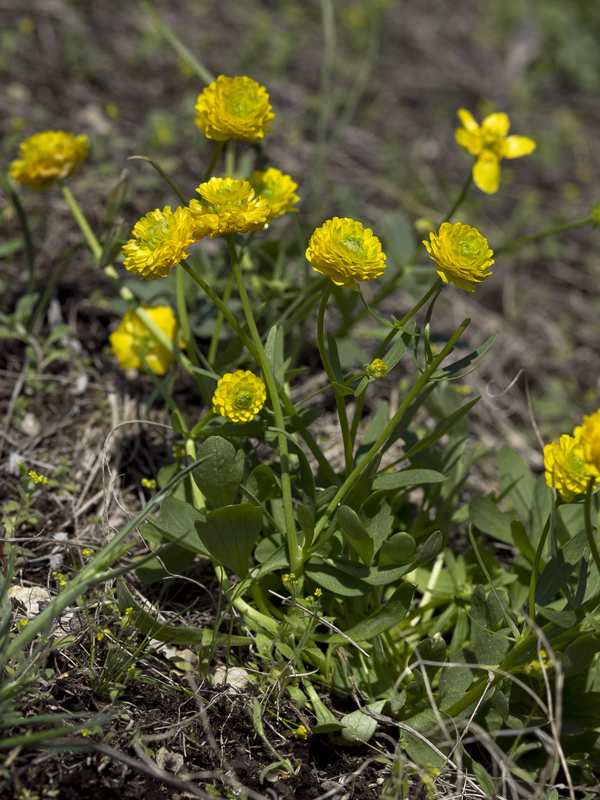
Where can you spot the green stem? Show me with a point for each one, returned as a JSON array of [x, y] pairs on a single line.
[[16, 201], [295, 551], [339, 400], [420, 384], [459, 199], [214, 342], [213, 161], [536, 567], [542, 234], [186, 331], [92, 241], [588, 523]]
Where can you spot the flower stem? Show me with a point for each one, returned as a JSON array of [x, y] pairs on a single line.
[[92, 241], [295, 551], [186, 331], [16, 201], [588, 523], [459, 199], [339, 399], [214, 342], [213, 161], [542, 234]]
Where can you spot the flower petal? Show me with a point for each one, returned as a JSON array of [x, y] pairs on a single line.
[[470, 141], [516, 146], [467, 119], [486, 174], [497, 124]]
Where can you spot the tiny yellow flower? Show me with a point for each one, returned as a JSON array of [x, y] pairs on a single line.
[[129, 610], [149, 483], [23, 622], [178, 452], [565, 466], [159, 242], [289, 576], [590, 438], [87, 552], [100, 635], [234, 108], [462, 255], [133, 338], [59, 578], [239, 396], [346, 252], [278, 189], [37, 478], [489, 144], [48, 157], [228, 206], [301, 733], [377, 368]]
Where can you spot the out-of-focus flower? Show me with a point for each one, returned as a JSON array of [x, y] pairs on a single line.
[[47, 157], [159, 242], [278, 189], [566, 469], [489, 143], [377, 368], [346, 252], [590, 439], [239, 396], [234, 108], [462, 255], [133, 338], [227, 206]]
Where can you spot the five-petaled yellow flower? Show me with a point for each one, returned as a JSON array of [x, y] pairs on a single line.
[[159, 242], [132, 338], [462, 255], [489, 143], [278, 189], [234, 108], [239, 396], [346, 252], [227, 206], [48, 157], [565, 466], [590, 438]]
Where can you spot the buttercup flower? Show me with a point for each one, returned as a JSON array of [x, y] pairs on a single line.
[[566, 469], [133, 338], [377, 368], [239, 396], [347, 252], [590, 439], [159, 242], [462, 255], [278, 189], [48, 157], [234, 108], [228, 206], [489, 143]]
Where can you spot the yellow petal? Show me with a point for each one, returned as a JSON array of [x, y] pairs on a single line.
[[497, 124], [470, 141], [516, 146], [486, 174], [467, 119]]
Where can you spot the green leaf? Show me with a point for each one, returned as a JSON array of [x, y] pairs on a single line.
[[579, 654], [456, 679], [569, 555], [363, 485], [341, 390], [219, 475], [517, 480], [463, 363], [398, 549], [326, 721], [486, 516], [148, 625], [229, 534], [351, 525], [334, 359], [407, 477], [166, 565], [307, 522], [442, 428], [177, 422], [432, 547], [178, 524], [381, 620], [262, 483], [335, 580], [359, 727]]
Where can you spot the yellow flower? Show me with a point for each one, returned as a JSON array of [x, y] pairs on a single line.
[[239, 396], [228, 206], [377, 368], [347, 252], [149, 483], [133, 338], [590, 438], [462, 255], [159, 242], [278, 189], [37, 478], [48, 157], [234, 108], [489, 143], [565, 466]]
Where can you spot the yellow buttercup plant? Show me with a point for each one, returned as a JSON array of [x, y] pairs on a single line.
[[489, 144], [346, 252], [228, 206], [462, 255], [159, 243], [48, 157], [377, 368], [565, 466], [132, 338], [234, 108], [278, 189], [239, 396]]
